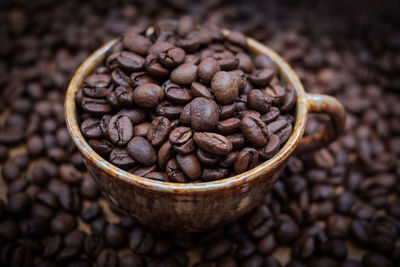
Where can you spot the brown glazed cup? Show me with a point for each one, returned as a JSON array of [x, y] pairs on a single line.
[[201, 206]]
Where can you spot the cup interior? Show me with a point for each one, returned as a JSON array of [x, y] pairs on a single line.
[[273, 163]]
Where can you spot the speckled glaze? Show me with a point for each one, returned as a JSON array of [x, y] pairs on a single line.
[[201, 206]]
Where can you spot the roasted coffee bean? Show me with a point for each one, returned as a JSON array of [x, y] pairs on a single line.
[[173, 171], [184, 74], [199, 90], [164, 154], [120, 130], [246, 159], [91, 212], [121, 158], [217, 250], [143, 171], [172, 57], [141, 129], [281, 128], [62, 223], [88, 188], [213, 143], [114, 235], [169, 110], [139, 78], [142, 151], [131, 260], [207, 69], [148, 95], [287, 232], [190, 166], [130, 61], [207, 158], [159, 131], [271, 148], [185, 148], [185, 115], [177, 94], [258, 101], [255, 130], [158, 176], [271, 115], [94, 245], [18, 204], [95, 106], [124, 96], [136, 43], [228, 126], [224, 87], [203, 114], [154, 68], [237, 140], [107, 257], [140, 240], [210, 174], [136, 115], [262, 77], [180, 135]]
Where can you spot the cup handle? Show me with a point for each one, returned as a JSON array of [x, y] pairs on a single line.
[[317, 103]]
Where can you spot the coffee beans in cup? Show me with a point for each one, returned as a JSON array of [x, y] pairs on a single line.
[[186, 103]]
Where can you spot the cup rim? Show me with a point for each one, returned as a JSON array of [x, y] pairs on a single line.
[[272, 164]]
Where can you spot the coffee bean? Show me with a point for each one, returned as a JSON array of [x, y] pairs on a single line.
[[228, 126], [224, 87], [190, 166], [173, 171], [217, 249], [184, 74], [114, 235], [148, 95], [141, 150], [131, 260], [107, 257], [258, 101], [255, 130], [207, 158], [130, 61], [143, 171], [158, 131], [271, 148], [95, 106], [203, 114], [209, 174], [91, 212], [120, 130], [136, 43], [120, 157], [62, 223], [199, 90], [172, 57], [88, 188], [213, 143], [246, 160], [140, 240], [18, 204], [262, 77], [207, 69], [93, 246], [287, 231], [158, 176]]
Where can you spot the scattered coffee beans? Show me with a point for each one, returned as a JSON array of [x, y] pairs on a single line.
[[322, 206]]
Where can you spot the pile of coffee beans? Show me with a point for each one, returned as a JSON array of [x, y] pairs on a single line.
[[185, 104], [338, 207]]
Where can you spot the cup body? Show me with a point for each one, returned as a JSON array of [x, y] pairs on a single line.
[[185, 207], [180, 212]]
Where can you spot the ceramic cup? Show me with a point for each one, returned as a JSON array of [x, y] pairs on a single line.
[[201, 206]]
